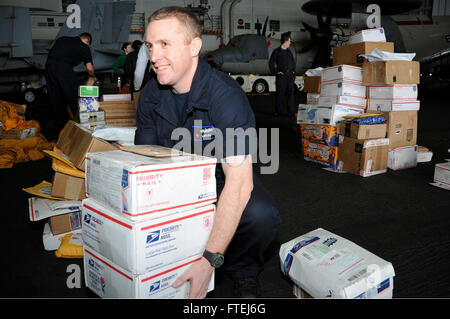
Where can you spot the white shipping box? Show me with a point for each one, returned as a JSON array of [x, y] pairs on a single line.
[[141, 246], [347, 100], [334, 88], [326, 265], [324, 114], [442, 175], [342, 72], [149, 187], [394, 92], [402, 157], [368, 35], [109, 280], [388, 105]]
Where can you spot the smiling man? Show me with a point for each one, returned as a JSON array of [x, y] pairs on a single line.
[[187, 91]]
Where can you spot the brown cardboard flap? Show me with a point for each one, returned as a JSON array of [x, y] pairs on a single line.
[[391, 72], [312, 84], [152, 150], [349, 54], [68, 187]]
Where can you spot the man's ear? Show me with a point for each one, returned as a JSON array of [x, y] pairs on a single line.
[[196, 45]]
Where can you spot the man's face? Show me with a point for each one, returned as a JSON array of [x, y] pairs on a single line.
[[172, 58], [287, 44], [127, 49], [86, 41]]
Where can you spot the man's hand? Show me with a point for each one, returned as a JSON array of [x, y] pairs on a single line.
[[199, 276]]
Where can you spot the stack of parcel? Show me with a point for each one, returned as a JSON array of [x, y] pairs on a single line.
[[146, 220], [356, 87]]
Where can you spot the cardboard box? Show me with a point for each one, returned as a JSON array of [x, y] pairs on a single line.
[[393, 92], [65, 223], [108, 280], [423, 154], [393, 105], [88, 104], [324, 114], [17, 134], [442, 175], [401, 128], [402, 158], [363, 157], [75, 141], [350, 53], [391, 72], [312, 84], [149, 187], [326, 265], [116, 97], [372, 35], [361, 132], [51, 241], [68, 187], [325, 134], [334, 88], [88, 91], [341, 73], [92, 117], [320, 153], [347, 100], [144, 245]]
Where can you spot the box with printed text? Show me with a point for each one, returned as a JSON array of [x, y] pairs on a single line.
[[108, 280], [140, 246], [141, 187]]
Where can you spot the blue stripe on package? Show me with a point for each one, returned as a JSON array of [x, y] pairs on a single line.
[[369, 120]]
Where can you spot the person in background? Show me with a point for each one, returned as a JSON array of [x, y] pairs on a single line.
[[143, 72], [187, 93], [120, 61], [62, 81], [282, 65], [130, 63]]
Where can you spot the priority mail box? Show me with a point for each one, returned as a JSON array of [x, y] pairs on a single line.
[[351, 53], [372, 35], [347, 100], [326, 265], [363, 157], [395, 91], [388, 105], [142, 187], [402, 157], [342, 72], [442, 175], [140, 246], [391, 72], [401, 128], [312, 98], [108, 280], [324, 114], [75, 141], [334, 88]]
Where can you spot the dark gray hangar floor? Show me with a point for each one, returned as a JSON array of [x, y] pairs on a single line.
[[397, 215]]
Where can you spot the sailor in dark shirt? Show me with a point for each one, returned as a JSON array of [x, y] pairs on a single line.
[[282, 64], [62, 82]]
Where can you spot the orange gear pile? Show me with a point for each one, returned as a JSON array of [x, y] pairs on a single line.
[[18, 151]]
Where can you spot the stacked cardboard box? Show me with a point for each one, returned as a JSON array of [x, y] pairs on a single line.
[[149, 225], [88, 107], [341, 94], [119, 109]]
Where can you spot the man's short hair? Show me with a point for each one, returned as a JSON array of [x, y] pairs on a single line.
[[285, 36], [125, 45], [86, 35], [136, 44], [187, 19]]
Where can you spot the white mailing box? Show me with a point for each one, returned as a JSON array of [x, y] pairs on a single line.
[[442, 175], [324, 114], [109, 280], [402, 157], [326, 265], [139, 246], [347, 100], [393, 105], [148, 187], [342, 72], [334, 88], [368, 35], [396, 91], [312, 98]]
